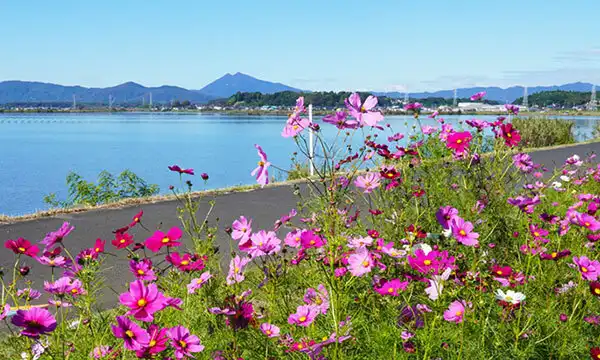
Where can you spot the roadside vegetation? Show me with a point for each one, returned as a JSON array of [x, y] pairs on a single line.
[[423, 250]]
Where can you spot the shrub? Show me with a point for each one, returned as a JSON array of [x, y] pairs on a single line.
[[448, 255], [542, 131], [107, 189]]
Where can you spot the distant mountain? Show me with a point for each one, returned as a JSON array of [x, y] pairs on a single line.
[[493, 93], [127, 93], [228, 85]]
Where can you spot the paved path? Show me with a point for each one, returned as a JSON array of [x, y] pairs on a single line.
[[264, 206]]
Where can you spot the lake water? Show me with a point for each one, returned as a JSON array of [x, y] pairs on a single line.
[[37, 151]]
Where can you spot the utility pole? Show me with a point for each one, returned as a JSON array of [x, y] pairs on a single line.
[[525, 98], [405, 98], [455, 100], [111, 100], [593, 101], [74, 102], [150, 100]]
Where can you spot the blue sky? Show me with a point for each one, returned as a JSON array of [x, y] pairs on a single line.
[[310, 44]]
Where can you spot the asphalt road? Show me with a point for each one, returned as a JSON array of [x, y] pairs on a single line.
[[264, 206]]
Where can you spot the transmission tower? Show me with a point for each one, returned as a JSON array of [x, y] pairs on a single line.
[[111, 101], [455, 101], [525, 99], [406, 98], [74, 102], [593, 101]]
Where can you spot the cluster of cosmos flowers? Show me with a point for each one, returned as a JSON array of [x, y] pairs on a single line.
[[423, 272]]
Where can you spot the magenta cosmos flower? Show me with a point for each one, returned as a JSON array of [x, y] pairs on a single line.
[[587, 221], [463, 232], [134, 336], [589, 269], [363, 113], [22, 246], [478, 96], [523, 162], [360, 262], [455, 312], [511, 136], [459, 141], [413, 106], [445, 215], [184, 343], [122, 240], [318, 298], [35, 322], [197, 283], [269, 330], [369, 182], [391, 287], [341, 121], [176, 168], [310, 239], [236, 270], [160, 239], [157, 342], [261, 171], [514, 109], [55, 237], [185, 262], [143, 301], [304, 315], [142, 269]]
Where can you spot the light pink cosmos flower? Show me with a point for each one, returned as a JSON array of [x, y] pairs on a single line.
[[436, 284], [363, 112], [270, 330], [261, 171], [478, 96], [263, 243], [358, 242], [463, 231], [236, 270], [65, 286], [56, 237], [428, 129], [455, 312], [197, 283], [318, 298], [304, 315], [588, 221], [360, 262], [241, 229], [369, 182], [294, 126], [184, 343], [292, 239], [339, 119], [143, 301], [589, 269]]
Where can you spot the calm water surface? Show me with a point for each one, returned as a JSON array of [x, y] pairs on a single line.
[[37, 151]]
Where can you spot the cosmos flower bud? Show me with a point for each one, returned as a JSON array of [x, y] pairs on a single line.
[[24, 270]]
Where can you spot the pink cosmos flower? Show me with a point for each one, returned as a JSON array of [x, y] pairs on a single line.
[[35, 322], [58, 261], [236, 270], [587, 221], [433, 114], [157, 342], [459, 141], [264, 243], [369, 182], [241, 229], [137, 218], [363, 113], [197, 283], [134, 336], [143, 301], [55, 237], [294, 126], [101, 352], [184, 343], [589, 269], [185, 262], [122, 240], [445, 215], [511, 136], [428, 129], [269, 330], [292, 239], [455, 312], [65, 286], [340, 120], [358, 242], [28, 294], [413, 106], [391, 287], [176, 168], [309, 239], [514, 109], [523, 162], [360, 262], [261, 171], [478, 96], [318, 298], [159, 239], [22, 246], [142, 269], [463, 232], [304, 316]]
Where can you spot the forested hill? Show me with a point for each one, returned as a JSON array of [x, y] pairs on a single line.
[[557, 98]]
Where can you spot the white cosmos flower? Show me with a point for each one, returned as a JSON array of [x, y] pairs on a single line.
[[510, 296], [565, 178], [426, 248]]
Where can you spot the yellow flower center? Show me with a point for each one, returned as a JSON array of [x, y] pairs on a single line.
[[295, 127], [97, 249], [462, 232], [535, 233], [509, 135], [459, 141], [185, 262], [508, 298], [459, 313], [236, 269], [165, 240], [122, 241], [74, 291], [152, 343], [21, 249], [182, 343], [140, 272], [129, 333], [199, 281], [554, 254], [261, 163], [142, 302], [584, 269], [300, 347], [597, 291], [499, 272], [312, 242], [51, 262], [391, 290], [365, 263], [427, 262], [587, 224], [302, 318], [136, 219]]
